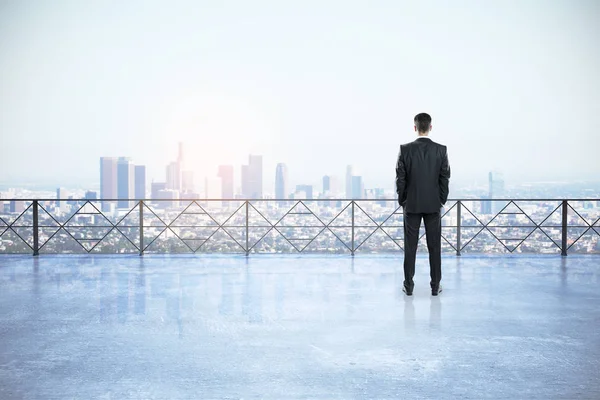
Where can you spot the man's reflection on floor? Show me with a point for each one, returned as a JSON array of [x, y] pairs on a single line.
[[435, 312], [409, 312]]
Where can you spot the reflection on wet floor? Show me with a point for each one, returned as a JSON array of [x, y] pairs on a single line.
[[324, 327]]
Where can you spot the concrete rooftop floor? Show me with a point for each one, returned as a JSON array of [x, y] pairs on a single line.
[[278, 327]]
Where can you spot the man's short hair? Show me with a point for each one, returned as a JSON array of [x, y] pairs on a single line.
[[422, 122]]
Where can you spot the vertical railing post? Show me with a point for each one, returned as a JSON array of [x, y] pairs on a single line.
[[458, 223], [36, 229], [247, 229], [564, 228], [141, 207], [352, 228]]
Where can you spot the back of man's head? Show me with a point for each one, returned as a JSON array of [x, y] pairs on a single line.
[[423, 122]]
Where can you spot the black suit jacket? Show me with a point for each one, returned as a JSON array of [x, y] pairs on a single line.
[[422, 176]]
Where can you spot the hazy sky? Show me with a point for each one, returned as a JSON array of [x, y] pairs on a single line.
[[511, 85]]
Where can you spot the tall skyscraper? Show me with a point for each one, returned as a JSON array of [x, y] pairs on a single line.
[[496, 180], [486, 206], [125, 181], [256, 176], [357, 187], [212, 188], [326, 184], [174, 176], [245, 173], [226, 175], [187, 181], [180, 157], [140, 182], [17, 206], [252, 178], [349, 175], [169, 195], [108, 180], [281, 181], [61, 194]]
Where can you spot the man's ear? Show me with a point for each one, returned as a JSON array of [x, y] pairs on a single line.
[[430, 127], [415, 128]]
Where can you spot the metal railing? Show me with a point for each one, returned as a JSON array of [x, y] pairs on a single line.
[[255, 226]]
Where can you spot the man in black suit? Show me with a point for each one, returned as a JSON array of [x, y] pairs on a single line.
[[422, 177]]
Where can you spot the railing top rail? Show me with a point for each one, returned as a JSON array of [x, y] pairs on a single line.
[[290, 200]]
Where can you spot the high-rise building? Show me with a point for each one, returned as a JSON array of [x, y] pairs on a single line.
[[140, 182], [190, 196], [281, 181], [245, 181], [125, 181], [256, 176], [252, 178], [212, 188], [187, 181], [331, 186], [380, 194], [226, 175], [486, 206], [168, 194], [155, 188], [349, 175], [496, 181], [357, 187], [327, 184], [91, 195], [180, 157], [108, 180], [17, 206], [307, 189], [174, 176], [61, 194]]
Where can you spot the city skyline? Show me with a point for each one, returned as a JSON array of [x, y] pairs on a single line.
[[131, 180], [179, 182], [226, 182]]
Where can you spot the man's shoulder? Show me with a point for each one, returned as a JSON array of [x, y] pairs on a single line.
[[436, 143], [439, 145], [415, 142]]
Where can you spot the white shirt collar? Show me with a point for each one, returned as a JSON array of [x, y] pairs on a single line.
[[423, 137]]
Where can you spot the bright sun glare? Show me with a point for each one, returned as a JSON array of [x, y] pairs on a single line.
[[219, 128]]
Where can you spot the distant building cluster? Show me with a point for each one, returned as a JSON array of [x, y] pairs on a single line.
[[121, 179], [179, 182]]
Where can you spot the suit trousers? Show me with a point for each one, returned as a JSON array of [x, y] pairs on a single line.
[[433, 232]]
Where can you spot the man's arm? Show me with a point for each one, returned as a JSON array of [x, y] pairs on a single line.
[[444, 177], [401, 179]]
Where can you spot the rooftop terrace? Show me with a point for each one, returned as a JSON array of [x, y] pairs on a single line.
[[298, 326]]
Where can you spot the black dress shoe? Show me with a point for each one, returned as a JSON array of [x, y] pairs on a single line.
[[435, 292], [405, 290]]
